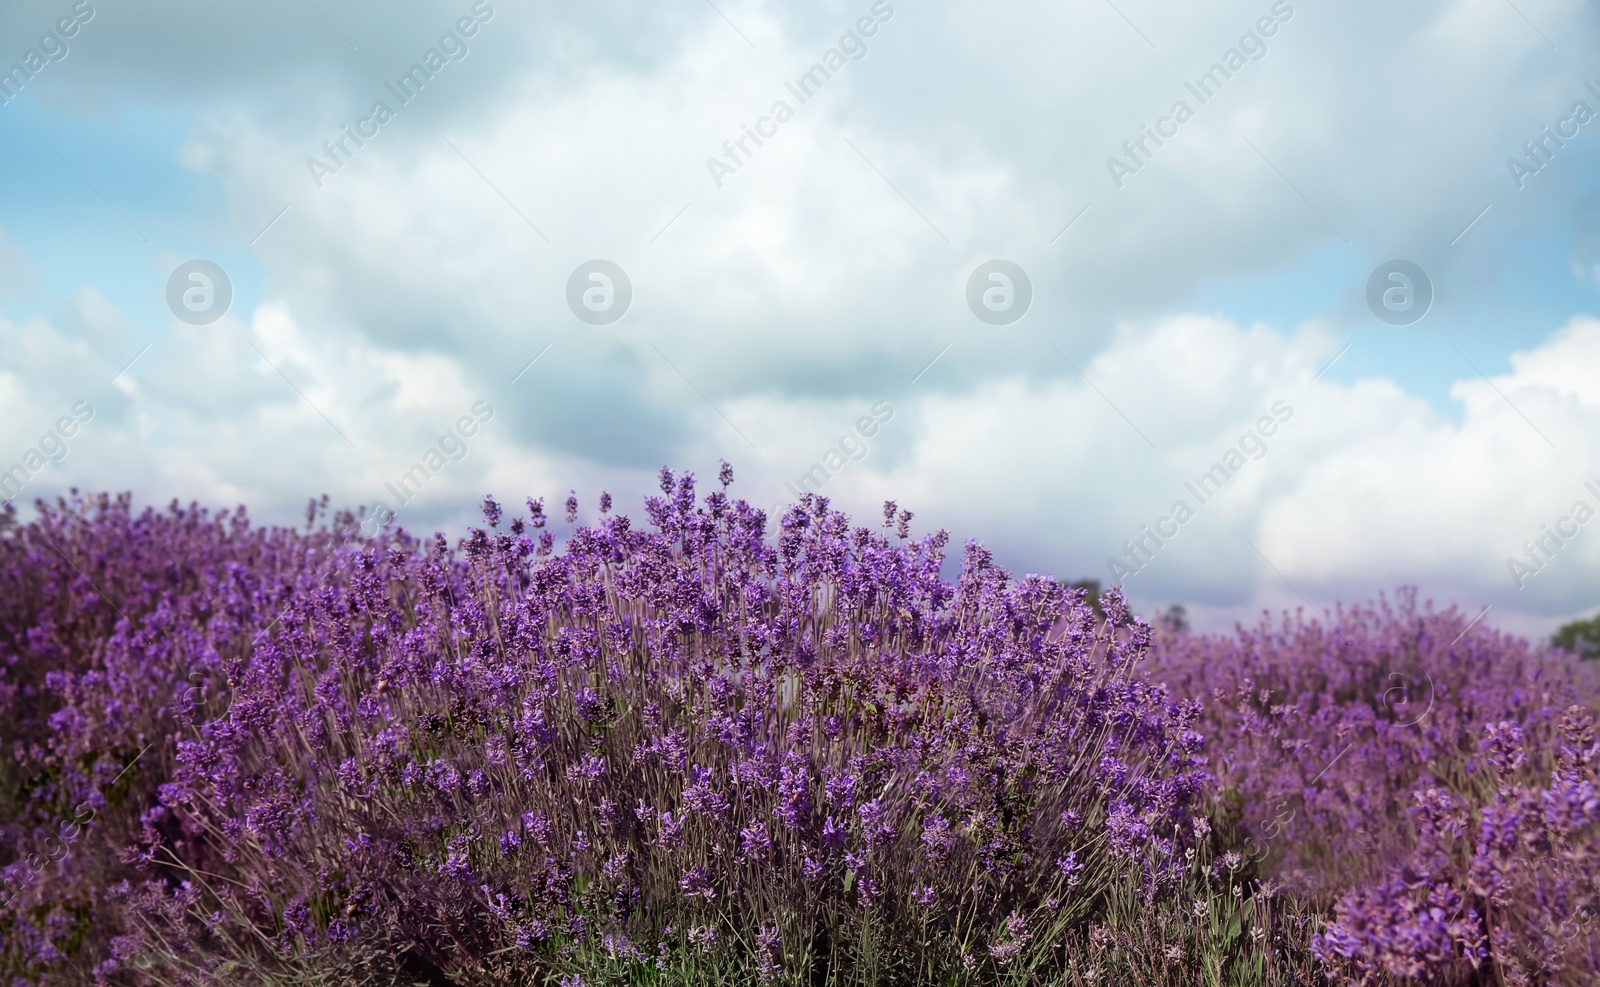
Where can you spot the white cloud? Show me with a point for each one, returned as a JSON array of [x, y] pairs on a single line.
[[830, 269]]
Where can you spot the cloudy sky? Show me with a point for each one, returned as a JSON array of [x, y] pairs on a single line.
[[1191, 202]]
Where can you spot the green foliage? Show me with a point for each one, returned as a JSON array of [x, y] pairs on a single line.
[[1581, 638], [1219, 929]]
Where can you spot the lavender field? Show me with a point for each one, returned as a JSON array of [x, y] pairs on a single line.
[[1130, 513], [694, 744]]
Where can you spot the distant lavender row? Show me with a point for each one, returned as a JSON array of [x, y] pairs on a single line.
[[1439, 782]]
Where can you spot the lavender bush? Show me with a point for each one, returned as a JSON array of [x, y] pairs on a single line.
[[708, 750], [1432, 779], [654, 746], [111, 625]]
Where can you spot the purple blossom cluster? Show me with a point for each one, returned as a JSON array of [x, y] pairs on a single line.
[[502, 760]]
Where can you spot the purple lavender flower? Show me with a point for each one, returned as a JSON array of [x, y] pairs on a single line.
[[841, 791], [591, 706], [1502, 744], [1071, 868], [877, 830], [769, 944], [937, 839], [670, 832], [755, 842], [696, 883], [794, 798], [587, 768], [510, 842], [538, 827], [834, 834], [811, 869]]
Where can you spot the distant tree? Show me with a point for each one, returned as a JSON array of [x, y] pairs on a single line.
[[1581, 638], [1176, 618]]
